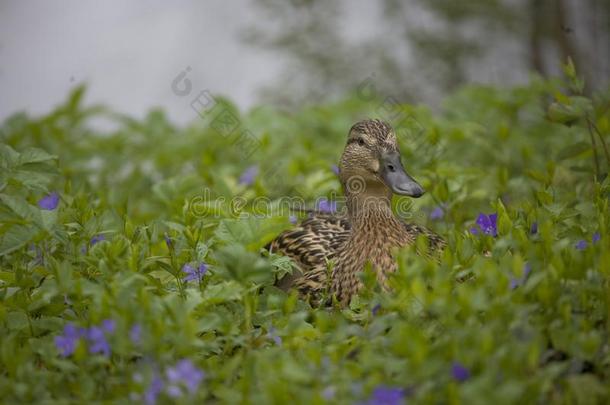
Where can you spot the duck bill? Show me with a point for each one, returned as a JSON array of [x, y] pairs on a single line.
[[396, 178]]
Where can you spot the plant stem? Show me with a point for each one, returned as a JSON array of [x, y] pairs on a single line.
[[594, 147], [601, 138]]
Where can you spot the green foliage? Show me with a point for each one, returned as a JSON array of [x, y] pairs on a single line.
[[139, 202]]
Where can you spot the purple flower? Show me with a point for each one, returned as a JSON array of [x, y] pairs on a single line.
[[324, 205], [273, 336], [581, 245], [194, 274], [527, 269], [459, 372], [168, 240], [186, 373], [329, 393], [66, 343], [293, 219], [97, 341], [596, 237], [174, 391], [375, 309], [153, 390], [108, 325], [534, 228], [249, 175], [383, 395], [49, 202], [135, 333], [488, 224], [516, 282], [335, 169], [437, 213], [97, 239]]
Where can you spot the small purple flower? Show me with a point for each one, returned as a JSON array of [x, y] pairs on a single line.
[[174, 391], [271, 334], [153, 390], [488, 224], [437, 213], [329, 393], [249, 175], [108, 325], [168, 240], [293, 219], [534, 228], [194, 274], [135, 333], [516, 282], [527, 269], [383, 395], [596, 237], [324, 205], [49, 202], [335, 169], [581, 245], [97, 341], [186, 373], [375, 309], [66, 343], [459, 372], [97, 239]]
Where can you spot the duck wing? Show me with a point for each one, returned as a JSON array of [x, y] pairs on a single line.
[[311, 245]]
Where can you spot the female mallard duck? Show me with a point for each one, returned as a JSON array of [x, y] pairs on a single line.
[[370, 171]]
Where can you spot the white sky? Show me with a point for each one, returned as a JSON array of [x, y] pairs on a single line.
[[127, 52]]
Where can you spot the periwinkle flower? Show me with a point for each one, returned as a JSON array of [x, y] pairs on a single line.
[[185, 372], [581, 245], [293, 219], [153, 390], [135, 333], [49, 202], [329, 393], [459, 372], [249, 175], [437, 213], [383, 395], [488, 224], [194, 274], [534, 228], [516, 282], [168, 240], [67, 342], [375, 309], [97, 239], [271, 334], [324, 205], [335, 169], [596, 237], [97, 341], [108, 325]]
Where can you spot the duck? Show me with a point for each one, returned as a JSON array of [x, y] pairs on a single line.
[[330, 250]]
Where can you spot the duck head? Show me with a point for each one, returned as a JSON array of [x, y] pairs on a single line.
[[371, 162]]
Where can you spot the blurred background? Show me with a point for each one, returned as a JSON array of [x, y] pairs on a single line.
[[288, 53]]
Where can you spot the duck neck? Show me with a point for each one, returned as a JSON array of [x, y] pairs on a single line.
[[370, 208]]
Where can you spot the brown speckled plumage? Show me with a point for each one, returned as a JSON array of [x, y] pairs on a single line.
[[370, 232]]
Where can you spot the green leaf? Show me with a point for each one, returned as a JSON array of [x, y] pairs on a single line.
[[573, 150]]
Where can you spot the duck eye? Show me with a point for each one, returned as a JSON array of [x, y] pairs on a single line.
[[360, 141]]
